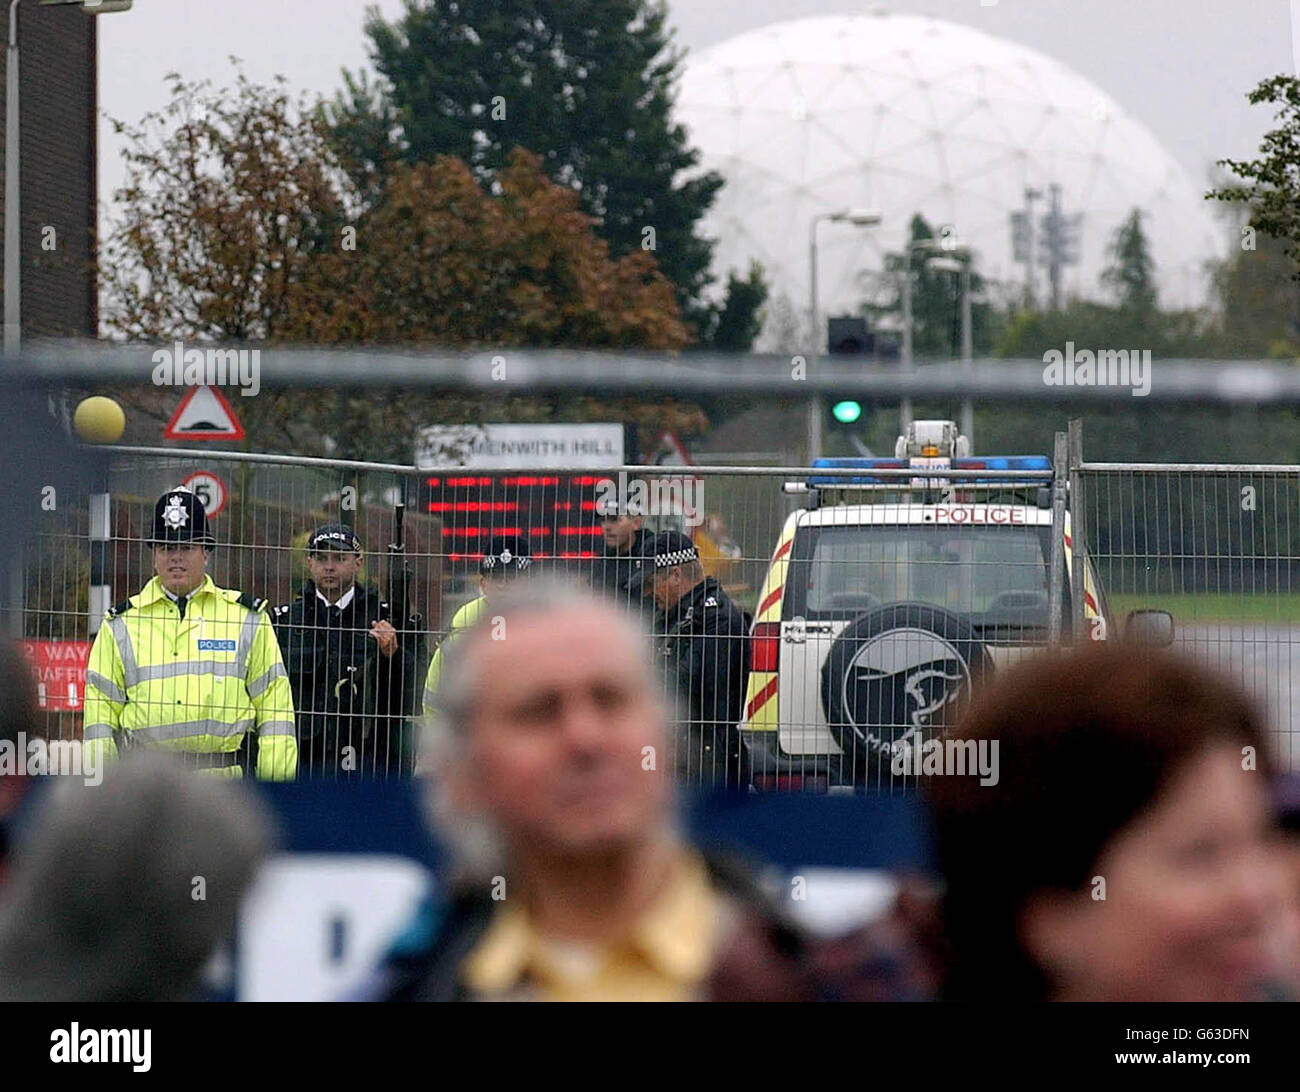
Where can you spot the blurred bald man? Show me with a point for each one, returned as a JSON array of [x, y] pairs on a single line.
[[570, 880]]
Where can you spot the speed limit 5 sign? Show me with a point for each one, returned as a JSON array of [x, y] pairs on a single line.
[[210, 489]]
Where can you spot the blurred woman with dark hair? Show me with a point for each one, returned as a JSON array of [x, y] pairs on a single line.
[[1128, 850]]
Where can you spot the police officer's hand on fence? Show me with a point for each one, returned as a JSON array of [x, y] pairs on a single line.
[[384, 633]]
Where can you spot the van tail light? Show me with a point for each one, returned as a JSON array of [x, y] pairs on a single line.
[[765, 647]]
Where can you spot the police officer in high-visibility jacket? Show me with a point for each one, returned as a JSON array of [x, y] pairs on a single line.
[[188, 666], [505, 558]]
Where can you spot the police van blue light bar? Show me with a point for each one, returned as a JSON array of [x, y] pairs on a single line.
[[987, 462], [1001, 462], [855, 463]]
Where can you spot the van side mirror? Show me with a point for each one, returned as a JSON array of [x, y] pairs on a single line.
[[1153, 628]]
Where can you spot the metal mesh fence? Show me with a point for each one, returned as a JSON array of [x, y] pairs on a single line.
[[832, 628], [1219, 548], [350, 717]]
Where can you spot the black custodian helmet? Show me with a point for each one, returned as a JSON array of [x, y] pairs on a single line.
[[179, 517]]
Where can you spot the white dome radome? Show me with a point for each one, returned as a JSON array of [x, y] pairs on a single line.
[[907, 114]]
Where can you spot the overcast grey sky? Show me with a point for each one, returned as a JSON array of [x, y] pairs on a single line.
[[1182, 67]]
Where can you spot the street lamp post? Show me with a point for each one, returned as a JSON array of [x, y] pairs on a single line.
[[967, 352], [948, 259], [905, 406], [859, 218]]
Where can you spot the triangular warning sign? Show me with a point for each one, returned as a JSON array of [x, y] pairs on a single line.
[[670, 451], [204, 414]]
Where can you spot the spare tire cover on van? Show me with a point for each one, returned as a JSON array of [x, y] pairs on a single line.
[[896, 670]]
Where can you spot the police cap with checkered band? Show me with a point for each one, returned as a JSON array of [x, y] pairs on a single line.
[[663, 551], [506, 555]]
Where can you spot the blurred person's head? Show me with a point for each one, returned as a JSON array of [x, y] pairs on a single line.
[[17, 720], [550, 741], [1128, 850], [125, 888], [1288, 801]]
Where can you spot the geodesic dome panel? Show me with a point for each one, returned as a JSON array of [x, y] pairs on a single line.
[[908, 114]]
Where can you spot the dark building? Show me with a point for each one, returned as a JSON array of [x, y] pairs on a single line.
[[57, 51]]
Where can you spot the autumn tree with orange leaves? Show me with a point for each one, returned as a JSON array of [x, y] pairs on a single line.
[[237, 224]]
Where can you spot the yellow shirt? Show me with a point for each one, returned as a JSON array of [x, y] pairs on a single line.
[[666, 956]]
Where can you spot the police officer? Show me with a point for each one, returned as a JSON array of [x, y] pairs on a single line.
[[188, 666], [625, 546], [506, 557], [354, 679], [702, 638]]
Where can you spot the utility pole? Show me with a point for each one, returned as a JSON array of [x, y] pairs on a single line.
[[1054, 242], [1031, 195], [1060, 242]]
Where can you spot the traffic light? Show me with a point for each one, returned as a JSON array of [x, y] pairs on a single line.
[[847, 412], [848, 336]]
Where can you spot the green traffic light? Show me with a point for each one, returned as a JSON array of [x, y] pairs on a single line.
[[846, 412]]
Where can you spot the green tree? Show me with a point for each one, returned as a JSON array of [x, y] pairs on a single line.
[[1258, 313], [734, 326], [1134, 321], [587, 85], [1270, 185], [1131, 272], [936, 299]]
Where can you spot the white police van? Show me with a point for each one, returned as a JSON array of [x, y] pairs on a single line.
[[892, 593]]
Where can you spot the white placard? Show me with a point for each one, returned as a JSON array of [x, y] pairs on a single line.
[[510, 447], [315, 924]]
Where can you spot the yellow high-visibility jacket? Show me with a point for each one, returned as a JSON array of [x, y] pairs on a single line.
[[468, 614], [194, 684]]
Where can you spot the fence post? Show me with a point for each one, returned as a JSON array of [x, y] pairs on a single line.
[[1056, 579], [1078, 526], [101, 573]]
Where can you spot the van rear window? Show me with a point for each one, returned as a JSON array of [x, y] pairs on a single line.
[[988, 574]]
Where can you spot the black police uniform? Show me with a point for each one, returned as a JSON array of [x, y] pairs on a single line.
[[612, 572], [347, 693], [703, 642]]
